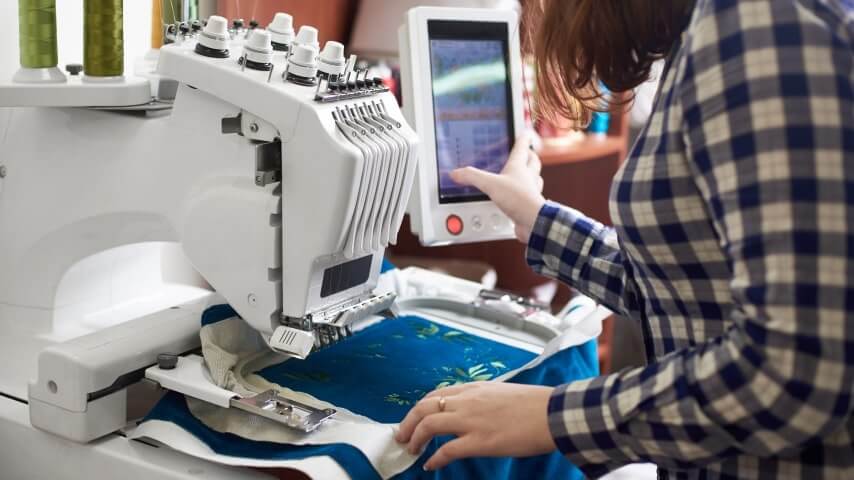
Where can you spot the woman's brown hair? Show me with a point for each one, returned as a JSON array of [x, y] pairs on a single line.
[[578, 43]]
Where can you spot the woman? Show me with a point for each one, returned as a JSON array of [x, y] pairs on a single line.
[[733, 247]]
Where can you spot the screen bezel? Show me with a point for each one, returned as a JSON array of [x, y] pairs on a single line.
[[469, 30]]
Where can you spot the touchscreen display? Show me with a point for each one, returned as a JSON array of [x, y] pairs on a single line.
[[472, 105]]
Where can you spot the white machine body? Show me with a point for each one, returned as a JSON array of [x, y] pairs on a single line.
[[461, 76], [282, 202]]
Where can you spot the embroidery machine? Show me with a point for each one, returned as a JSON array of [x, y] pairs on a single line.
[[249, 166]]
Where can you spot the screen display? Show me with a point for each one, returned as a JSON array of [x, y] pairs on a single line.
[[472, 104]]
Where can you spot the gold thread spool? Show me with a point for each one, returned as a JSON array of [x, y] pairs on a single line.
[[103, 38], [156, 24], [37, 33]]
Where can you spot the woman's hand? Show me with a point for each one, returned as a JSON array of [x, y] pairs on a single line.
[[490, 419], [517, 190]]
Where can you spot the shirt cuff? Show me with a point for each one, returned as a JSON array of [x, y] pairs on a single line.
[[583, 428], [557, 240]]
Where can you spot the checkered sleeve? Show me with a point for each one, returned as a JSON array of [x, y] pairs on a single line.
[[579, 251], [767, 107]]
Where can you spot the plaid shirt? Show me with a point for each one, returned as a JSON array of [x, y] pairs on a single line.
[[733, 247]]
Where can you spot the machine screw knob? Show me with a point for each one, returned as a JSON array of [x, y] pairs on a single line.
[[167, 361], [74, 68], [3, 171]]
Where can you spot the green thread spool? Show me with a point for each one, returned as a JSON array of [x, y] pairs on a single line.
[[103, 38], [37, 33], [171, 11]]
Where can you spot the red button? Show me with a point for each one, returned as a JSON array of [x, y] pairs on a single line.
[[454, 224]]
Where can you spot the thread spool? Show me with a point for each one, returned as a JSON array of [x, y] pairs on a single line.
[[156, 24], [171, 11], [103, 38], [37, 33]]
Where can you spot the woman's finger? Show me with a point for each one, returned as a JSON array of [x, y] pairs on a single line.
[[535, 165], [413, 418], [475, 177], [519, 153], [433, 425], [462, 447], [448, 391]]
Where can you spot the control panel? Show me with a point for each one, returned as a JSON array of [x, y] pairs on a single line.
[[461, 78]]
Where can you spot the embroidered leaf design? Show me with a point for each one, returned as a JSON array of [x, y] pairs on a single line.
[[443, 385], [482, 378], [452, 333], [406, 399], [498, 364], [395, 398], [461, 373]]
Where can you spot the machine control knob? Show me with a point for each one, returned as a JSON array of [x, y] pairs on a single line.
[[184, 28], [378, 82], [237, 23], [258, 50], [74, 68], [307, 35], [167, 361], [302, 65], [213, 41], [282, 31], [253, 24], [196, 26], [331, 61]]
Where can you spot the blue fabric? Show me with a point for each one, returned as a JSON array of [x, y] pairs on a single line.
[[173, 408], [217, 313], [382, 371], [417, 355], [387, 266]]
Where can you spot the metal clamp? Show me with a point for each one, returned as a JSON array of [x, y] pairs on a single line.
[[291, 413], [524, 306]]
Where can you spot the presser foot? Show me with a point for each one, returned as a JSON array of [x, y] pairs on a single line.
[[290, 413], [188, 375], [298, 337]]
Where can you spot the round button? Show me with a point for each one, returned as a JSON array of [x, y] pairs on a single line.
[[476, 223], [454, 224]]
